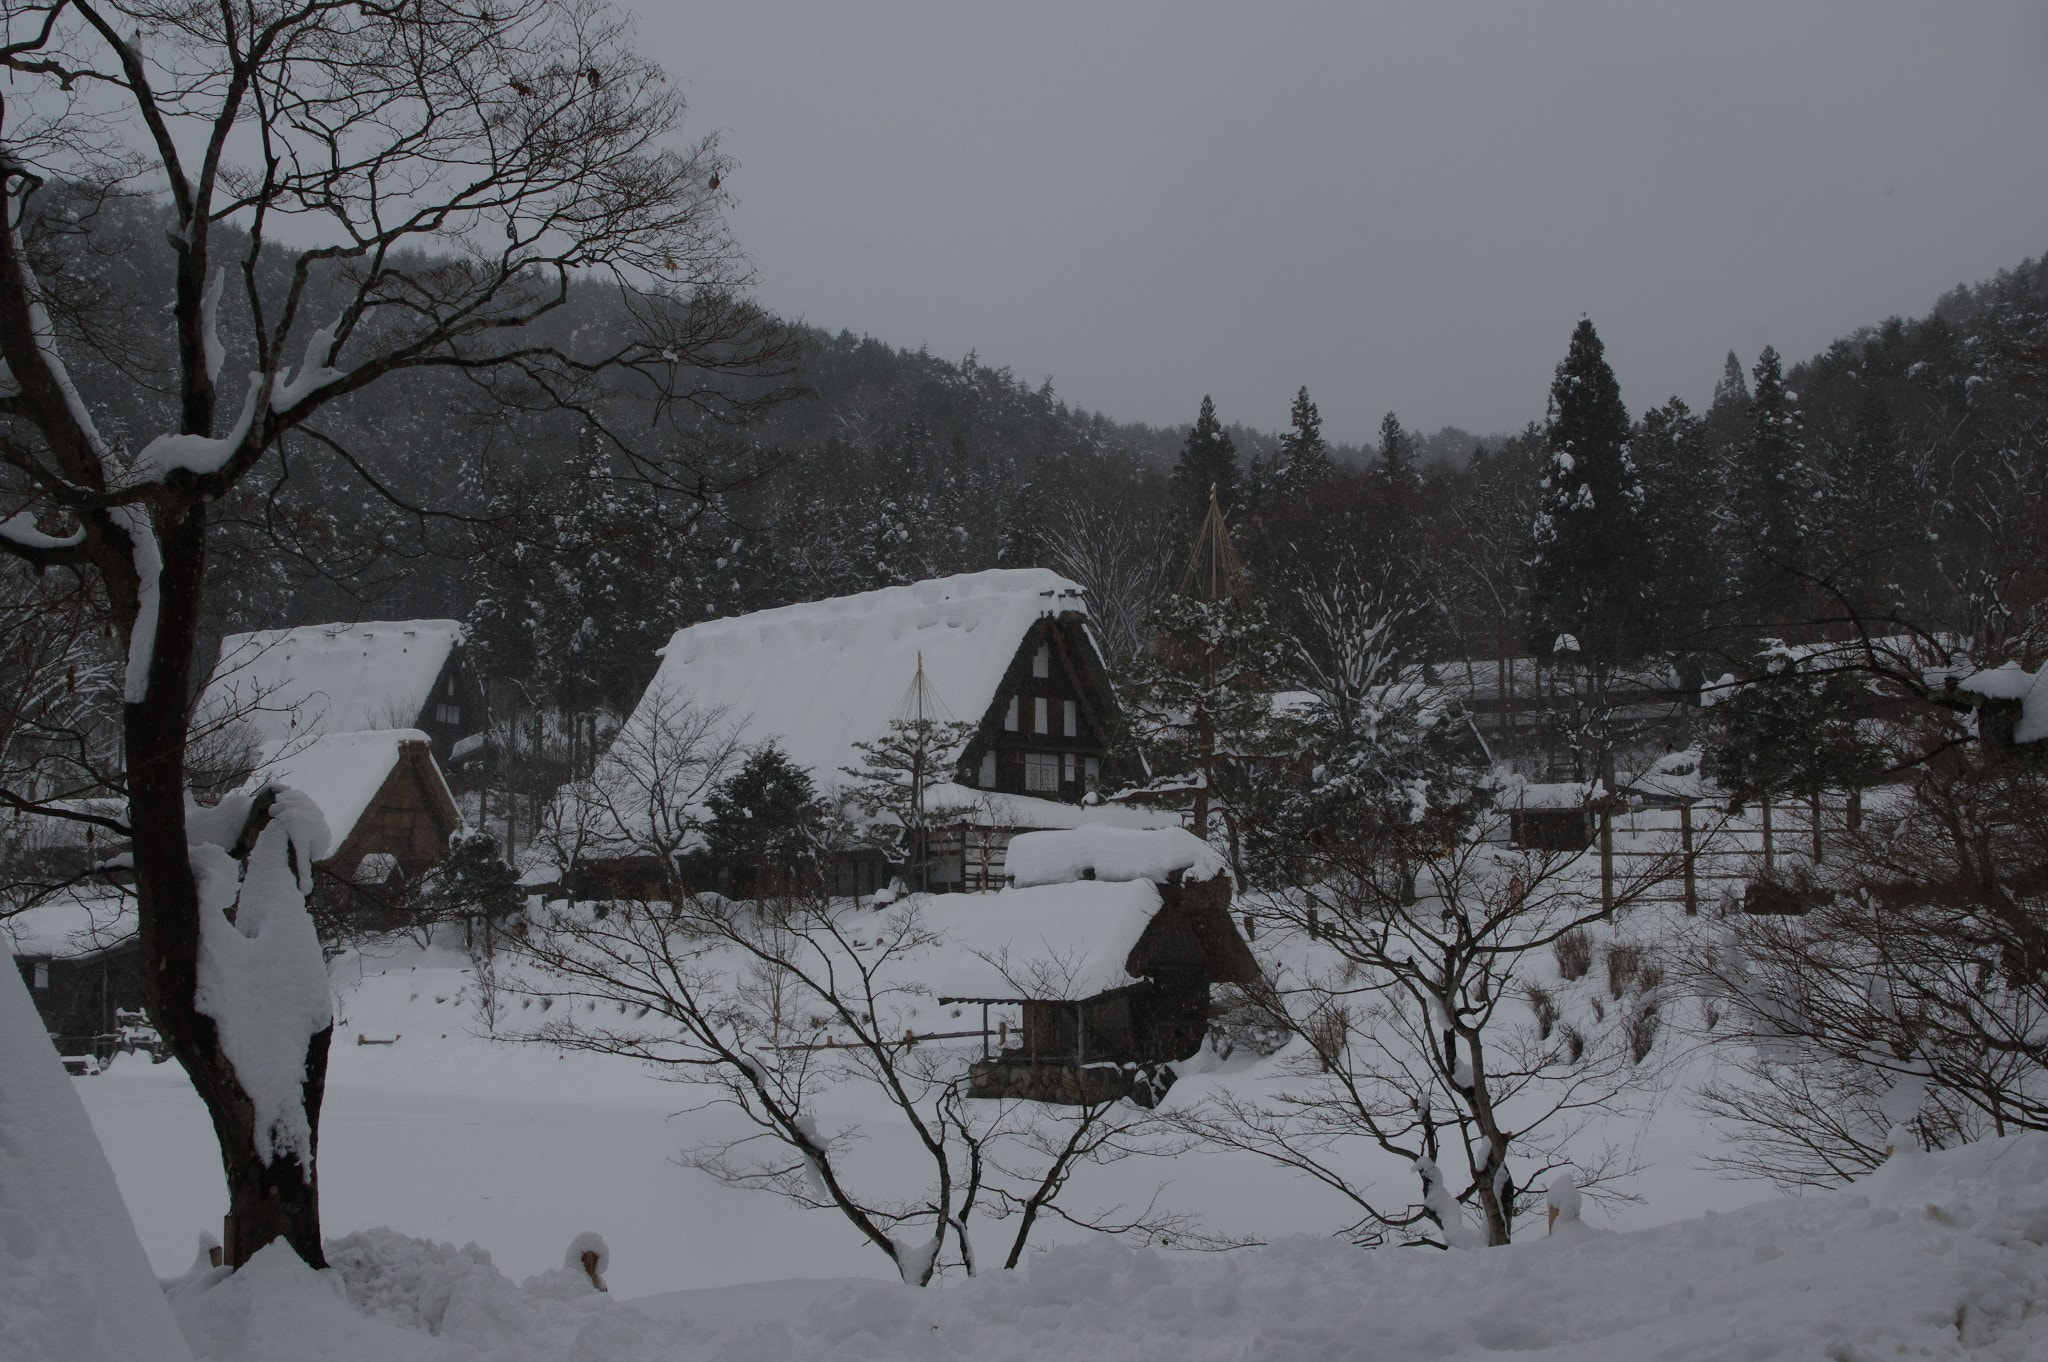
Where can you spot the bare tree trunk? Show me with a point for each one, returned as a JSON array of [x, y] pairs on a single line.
[[280, 1199]]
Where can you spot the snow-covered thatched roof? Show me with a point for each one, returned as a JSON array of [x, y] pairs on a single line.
[[340, 772], [73, 925], [327, 678], [2013, 682], [1054, 941], [818, 678]]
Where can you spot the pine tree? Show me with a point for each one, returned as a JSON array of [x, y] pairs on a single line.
[[1397, 457], [1304, 454], [1771, 486], [1588, 576], [763, 816], [1682, 484], [1208, 459]]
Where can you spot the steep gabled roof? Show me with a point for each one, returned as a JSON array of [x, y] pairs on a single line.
[[342, 772], [327, 678], [818, 678]]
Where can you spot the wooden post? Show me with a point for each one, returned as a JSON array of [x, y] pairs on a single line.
[[1854, 814], [1813, 804], [984, 1031], [1767, 835], [1692, 901], [1607, 853]]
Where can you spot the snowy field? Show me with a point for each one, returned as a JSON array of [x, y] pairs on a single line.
[[444, 1133], [437, 1137]]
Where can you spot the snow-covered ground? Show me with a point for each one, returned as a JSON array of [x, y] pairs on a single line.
[[1936, 1256], [446, 1136]]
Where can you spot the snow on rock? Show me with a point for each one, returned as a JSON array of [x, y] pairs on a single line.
[[262, 978], [74, 1284], [1054, 941], [392, 1298], [1109, 853], [819, 677], [282, 684]]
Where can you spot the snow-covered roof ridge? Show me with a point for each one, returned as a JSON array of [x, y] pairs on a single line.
[[2010, 681], [75, 924], [1100, 852], [340, 772], [1053, 941], [819, 677], [327, 678]]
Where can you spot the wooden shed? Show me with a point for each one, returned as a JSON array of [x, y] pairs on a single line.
[[1110, 969], [79, 955]]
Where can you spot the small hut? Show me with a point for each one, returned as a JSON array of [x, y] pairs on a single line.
[[1107, 942], [79, 955]]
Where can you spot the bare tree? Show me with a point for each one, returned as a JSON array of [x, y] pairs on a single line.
[[1913, 994], [353, 191], [1124, 558], [779, 1008], [1430, 1026]]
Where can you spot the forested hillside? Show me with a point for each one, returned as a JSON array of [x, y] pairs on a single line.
[[1898, 474]]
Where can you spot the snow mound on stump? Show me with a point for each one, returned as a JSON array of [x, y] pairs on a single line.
[[393, 1298], [74, 1285], [262, 978]]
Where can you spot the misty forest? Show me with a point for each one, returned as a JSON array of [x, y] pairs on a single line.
[[506, 739]]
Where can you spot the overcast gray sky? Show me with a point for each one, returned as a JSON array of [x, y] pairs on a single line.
[[1402, 206]]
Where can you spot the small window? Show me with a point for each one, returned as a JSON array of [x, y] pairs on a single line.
[[1093, 769], [448, 714], [1041, 661], [1042, 772], [988, 770], [1041, 715], [1070, 768], [1072, 719], [1010, 716], [42, 974]]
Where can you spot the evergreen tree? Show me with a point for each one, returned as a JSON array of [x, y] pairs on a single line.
[[1682, 483], [1771, 487], [1397, 457], [1304, 461], [764, 815], [1208, 459], [895, 772], [1588, 576], [471, 883]]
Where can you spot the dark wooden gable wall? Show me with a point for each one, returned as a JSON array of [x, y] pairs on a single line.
[[1053, 763]]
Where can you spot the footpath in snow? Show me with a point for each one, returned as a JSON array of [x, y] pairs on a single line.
[[1935, 1256]]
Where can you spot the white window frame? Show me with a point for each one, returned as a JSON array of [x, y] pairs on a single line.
[[1041, 715], [988, 769], [1070, 768], [42, 973], [1072, 718], [1041, 772], [1092, 769], [1041, 662], [1010, 716]]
